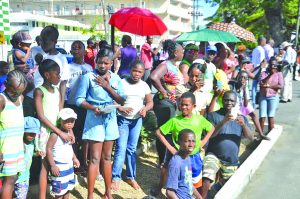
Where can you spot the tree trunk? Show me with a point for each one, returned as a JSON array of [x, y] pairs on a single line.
[[277, 28], [104, 20]]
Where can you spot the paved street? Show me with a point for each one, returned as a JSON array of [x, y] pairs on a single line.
[[279, 176]]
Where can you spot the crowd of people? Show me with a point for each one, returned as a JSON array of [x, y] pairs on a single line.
[[72, 115]]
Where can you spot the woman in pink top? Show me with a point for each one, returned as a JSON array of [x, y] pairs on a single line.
[[271, 81]]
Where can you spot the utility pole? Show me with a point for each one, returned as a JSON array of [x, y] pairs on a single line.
[[104, 19], [297, 26]]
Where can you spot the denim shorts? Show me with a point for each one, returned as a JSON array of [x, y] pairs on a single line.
[[268, 106]]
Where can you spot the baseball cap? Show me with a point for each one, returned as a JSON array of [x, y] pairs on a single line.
[[211, 48], [67, 113], [191, 47], [246, 60], [32, 125]]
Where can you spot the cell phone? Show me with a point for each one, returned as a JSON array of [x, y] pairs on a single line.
[[234, 113]]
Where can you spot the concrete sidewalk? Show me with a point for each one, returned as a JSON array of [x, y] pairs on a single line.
[[279, 175]]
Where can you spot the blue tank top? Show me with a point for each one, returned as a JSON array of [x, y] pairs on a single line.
[[17, 61], [128, 58]]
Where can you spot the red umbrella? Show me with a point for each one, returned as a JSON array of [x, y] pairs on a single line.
[[138, 21]]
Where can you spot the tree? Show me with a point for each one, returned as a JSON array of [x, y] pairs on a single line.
[[272, 18], [94, 31]]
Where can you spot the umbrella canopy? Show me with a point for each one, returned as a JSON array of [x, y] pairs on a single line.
[[207, 35], [235, 29], [138, 21]]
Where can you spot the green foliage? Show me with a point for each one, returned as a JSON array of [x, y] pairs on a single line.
[[250, 14], [290, 10], [93, 30], [149, 127]]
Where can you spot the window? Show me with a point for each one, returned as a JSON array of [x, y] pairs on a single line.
[[43, 24], [122, 5], [19, 23], [57, 8], [33, 24], [67, 28], [143, 4]]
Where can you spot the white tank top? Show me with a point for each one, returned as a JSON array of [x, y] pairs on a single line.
[[62, 151]]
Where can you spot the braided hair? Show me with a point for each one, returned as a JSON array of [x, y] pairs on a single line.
[[170, 47], [17, 76]]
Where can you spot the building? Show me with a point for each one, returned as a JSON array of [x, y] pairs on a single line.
[[175, 13], [69, 30]]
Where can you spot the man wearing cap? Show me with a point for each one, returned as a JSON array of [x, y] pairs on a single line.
[[211, 52], [288, 60], [190, 54]]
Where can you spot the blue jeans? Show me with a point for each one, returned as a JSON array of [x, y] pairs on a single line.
[[254, 90], [126, 147], [268, 106]]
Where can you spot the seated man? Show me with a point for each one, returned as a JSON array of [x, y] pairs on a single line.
[[223, 148]]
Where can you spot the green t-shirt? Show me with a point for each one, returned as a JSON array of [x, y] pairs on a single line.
[[196, 123]]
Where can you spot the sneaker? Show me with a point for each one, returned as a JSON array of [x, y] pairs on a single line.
[[99, 178]]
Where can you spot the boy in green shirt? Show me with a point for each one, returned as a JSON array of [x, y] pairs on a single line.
[[187, 120]]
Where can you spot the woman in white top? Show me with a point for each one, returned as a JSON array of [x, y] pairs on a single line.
[[130, 124]]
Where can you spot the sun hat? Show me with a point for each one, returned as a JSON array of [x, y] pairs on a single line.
[[285, 44], [67, 113], [32, 125], [22, 37], [211, 48]]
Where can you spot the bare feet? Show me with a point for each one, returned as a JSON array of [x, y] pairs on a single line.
[[134, 184], [115, 185], [108, 196]]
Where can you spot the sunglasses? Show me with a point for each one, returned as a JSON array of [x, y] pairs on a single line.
[[193, 52], [211, 52], [274, 66]]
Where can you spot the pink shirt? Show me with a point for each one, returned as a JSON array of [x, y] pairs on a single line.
[[146, 56], [275, 79]]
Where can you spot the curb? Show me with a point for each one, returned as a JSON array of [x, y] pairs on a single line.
[[237, 183]]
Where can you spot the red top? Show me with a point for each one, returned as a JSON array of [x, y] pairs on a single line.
[[89, 57]]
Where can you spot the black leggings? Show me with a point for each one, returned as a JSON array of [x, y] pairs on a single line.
[[164, 110]]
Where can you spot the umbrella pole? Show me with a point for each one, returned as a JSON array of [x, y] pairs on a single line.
[[112, 39]]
